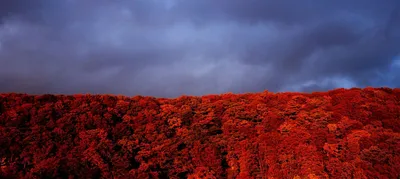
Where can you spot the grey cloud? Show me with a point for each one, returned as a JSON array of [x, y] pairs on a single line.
[[192, 47]]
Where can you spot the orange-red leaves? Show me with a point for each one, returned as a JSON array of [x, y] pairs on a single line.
[[337, 134]]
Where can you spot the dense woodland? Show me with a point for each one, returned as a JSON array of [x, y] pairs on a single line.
[[343, 133]]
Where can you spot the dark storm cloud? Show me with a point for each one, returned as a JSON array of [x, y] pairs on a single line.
[[174, 47]]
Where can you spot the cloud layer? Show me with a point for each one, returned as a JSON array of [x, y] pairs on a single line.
[[175, 47]]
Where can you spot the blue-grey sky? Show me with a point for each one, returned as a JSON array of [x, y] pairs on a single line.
[[168, 48]]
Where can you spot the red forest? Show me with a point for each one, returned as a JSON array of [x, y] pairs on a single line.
[[343, 133]]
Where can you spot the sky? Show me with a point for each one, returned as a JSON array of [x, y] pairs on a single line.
[[169, 48]]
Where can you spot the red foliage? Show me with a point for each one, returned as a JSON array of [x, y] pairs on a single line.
[[337, 134]]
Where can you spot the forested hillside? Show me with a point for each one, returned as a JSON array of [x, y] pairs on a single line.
[[343, 133]]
